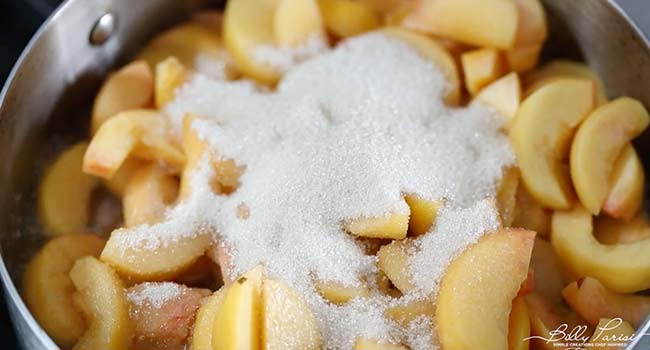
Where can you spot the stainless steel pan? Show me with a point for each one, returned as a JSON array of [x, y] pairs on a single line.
[[46, 100]]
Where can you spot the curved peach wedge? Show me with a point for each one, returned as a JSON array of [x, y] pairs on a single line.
[[130, 87], [481, 67], [437, 54], [466, 21], [597, 145], [202, 334], [477, 290], [531, 26], [63, 211], [339, 294], [296, 21], [563, 69], [48, 289], [146, 262], [626, 193], [541, 134], [104, 299], [622, 268], [345, 18], [147, 194], [423, 214], [393, 260], [392, 226], [143, 133]]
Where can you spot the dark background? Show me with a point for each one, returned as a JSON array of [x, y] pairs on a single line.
[[19, 19]]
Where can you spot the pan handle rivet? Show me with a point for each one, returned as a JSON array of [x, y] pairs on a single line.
[[103, 29]]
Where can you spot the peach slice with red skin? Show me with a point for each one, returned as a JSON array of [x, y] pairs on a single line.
[[626, 193], [477, 290]]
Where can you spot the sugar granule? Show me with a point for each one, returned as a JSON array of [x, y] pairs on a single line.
[[156, 294]]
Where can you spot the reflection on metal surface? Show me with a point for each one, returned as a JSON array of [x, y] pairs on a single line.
[[103, 29]]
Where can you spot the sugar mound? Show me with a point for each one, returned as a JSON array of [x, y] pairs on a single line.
[[156, 294], [345, 135]]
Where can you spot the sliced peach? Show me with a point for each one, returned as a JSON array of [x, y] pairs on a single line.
[[393, 260], [202, 334], [170, 74], [481, 67], [61, 210], [142, 133], [396, 15], [522, 59], [518, 325], [467, 20], [148, 194], [558, 69], [531, 26], [504, 95], [102, 293], [612, 231], [131, 87], [48, 289], [507, 195], [296, 21], [626, 193], [247, 25], [611, 334], [593, 301], [597, 145], [423, 214], [237, 325], [622, 268], [437, 54], [153, 262], [406, 311], [545, 317], [529, 214], [117, 183], [477, 291], [288, 322], [369, 344], [339, 294], [392, 226], [541, 135], [345, 18]]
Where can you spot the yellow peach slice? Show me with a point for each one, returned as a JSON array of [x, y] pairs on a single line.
[[611, 334], [437, 54], [507, 195], [504, 95], [237, 325], [170, 74], [48, 290], [247, 25], [612, 231], [529, 214], [391, 226], [522, 59], [61, 210], [102, 293], [467, 20], [147, 195], [287, 322], [393, 260], [593, 301], [130, 87], [345, 18], [622, 268], [531, 26], [481, 67], [369, 344], [423, 214], [541, 134], [597, 145], [296, 21], [117, 183], [518, 325], [404, 312], [339, 294], [477, 291], [142, 133], [396, 15], [557, 69], [626, 193], [202, 334], [163, 261]]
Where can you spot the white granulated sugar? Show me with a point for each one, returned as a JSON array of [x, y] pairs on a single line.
[[345, 135], [283, 58], [155, 294], [454, 230]]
